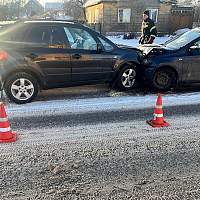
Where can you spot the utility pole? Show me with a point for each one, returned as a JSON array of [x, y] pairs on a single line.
[[18, 9]]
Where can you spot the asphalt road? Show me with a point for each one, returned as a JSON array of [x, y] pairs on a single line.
[[106, 155], [103, 117]]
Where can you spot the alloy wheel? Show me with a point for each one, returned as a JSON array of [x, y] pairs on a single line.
[[22, 89], [128, 78]]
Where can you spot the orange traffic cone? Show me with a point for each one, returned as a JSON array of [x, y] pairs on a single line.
[[158, 120], [6, 135]]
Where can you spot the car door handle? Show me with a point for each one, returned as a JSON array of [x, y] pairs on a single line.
[[77, 56]]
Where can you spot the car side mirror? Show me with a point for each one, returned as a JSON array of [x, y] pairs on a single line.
[[99, 48]]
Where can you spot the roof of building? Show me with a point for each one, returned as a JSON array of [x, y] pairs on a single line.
[[94, 2], [35, 2]]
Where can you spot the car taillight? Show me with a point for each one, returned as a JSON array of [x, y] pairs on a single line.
[[3, 56]]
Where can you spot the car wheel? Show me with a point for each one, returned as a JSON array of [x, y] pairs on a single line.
[[127, 78], [164, 79], [21, 88]]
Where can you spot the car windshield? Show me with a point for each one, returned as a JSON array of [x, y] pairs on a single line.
[[182, 40]]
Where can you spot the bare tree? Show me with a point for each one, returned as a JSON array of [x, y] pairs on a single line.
[[10, 10], [75, 9]]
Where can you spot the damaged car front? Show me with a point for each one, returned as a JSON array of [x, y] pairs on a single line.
[[164, 65]]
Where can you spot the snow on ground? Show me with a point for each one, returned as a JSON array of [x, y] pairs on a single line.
[[134, 42], [89, 105]]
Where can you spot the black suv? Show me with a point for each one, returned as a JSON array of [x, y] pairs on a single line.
[[49, 54]]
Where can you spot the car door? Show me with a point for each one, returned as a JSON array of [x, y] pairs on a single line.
[[48, 53], [86, 61], [191, 62]]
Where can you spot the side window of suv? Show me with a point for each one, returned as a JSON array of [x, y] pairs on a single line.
[[48, 36], [108, 47], [39, 34], [57, 38], [80, 39]]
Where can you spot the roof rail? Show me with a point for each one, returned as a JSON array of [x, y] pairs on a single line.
[[53, 19]]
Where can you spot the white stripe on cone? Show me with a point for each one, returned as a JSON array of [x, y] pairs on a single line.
[[5, 129], [158, 106], [3, 119], [158, 115]]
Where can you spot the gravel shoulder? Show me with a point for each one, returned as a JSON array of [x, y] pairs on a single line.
[[116, 160]]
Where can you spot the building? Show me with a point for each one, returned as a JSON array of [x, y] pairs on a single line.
[[182, 16], [126, 15], [33, 7], [196, 4], [52, 6]]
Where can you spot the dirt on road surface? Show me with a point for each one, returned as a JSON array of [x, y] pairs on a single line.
[[115, 160]]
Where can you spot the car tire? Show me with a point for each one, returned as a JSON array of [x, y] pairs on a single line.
[[21, 88], [127, 78], [164, 79]]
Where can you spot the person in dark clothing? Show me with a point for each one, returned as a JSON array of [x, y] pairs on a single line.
[[148, 29]]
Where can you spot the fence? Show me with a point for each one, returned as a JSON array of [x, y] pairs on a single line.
[[196, 17]]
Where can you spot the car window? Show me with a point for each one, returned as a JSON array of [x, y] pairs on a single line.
[[46, 36], [39, 34], [106, 45], [69, 36], [197, 43], [183, 40], [80, 39], [56, 38]]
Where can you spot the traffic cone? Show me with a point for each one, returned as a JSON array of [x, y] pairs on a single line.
[[6, 135], [158, 120]]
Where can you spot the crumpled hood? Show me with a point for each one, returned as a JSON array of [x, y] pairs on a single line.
[[121, 46], [154, 49]]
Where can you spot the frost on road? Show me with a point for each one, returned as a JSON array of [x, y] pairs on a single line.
[[115, 160]]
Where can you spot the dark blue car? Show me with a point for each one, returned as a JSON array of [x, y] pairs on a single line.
[[175, 62]]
